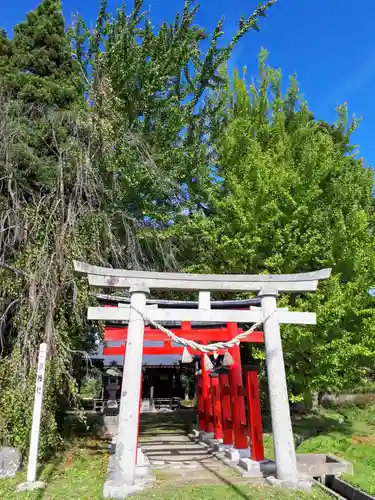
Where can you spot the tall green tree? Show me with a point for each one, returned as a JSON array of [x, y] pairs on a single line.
[[39, 73], [42, 70], [42, 152], [289, 198], [79, 180], [153, 81]]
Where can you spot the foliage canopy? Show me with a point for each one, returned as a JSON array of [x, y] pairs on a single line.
[[98, 132], [289, 198], [128, 145]]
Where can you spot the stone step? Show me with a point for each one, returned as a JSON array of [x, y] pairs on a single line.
[[171, 439], [178, 458], [164, 439], [156, 447], [168, 452]]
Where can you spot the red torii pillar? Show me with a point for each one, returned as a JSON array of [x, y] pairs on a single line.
[[240, 437], [255, 416], [207, 401], [200, 403], [216, 405], [226, 410]]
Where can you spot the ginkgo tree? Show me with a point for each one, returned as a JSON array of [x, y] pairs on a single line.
[[291, 195]]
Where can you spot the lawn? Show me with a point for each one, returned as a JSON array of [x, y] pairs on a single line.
[[78, 473], [230, 493], [348, 432]]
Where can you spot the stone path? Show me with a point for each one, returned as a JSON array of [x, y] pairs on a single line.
[[177, 460]]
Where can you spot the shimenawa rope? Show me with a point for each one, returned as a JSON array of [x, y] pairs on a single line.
[[209, 348]]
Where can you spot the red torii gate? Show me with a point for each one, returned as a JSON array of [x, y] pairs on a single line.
[[220, 396]]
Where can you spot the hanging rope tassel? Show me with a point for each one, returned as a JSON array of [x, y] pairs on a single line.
[[186, 356], [228, 360], [208, 366]]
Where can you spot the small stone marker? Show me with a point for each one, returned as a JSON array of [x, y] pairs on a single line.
[[10, 461]]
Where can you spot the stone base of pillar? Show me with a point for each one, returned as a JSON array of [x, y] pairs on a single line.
[[221, 447], [250, 466], [300, 484], [215, 444], [116, 488], [31, 485], [120, 487], [195, 432], [143, 464], [235, 454], [206, 436]]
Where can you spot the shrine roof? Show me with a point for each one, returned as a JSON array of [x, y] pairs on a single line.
[[186, 304]]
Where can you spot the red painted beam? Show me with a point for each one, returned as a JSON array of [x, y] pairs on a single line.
[[116, 333], [152, 351]]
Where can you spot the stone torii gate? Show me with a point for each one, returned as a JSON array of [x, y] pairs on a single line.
[[139, 284]]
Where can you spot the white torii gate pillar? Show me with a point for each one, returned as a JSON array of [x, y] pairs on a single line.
[[125, 458], [283, 442]]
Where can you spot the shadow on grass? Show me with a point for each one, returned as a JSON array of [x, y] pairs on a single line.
[[46, 472], [310, 424], [226, 481]]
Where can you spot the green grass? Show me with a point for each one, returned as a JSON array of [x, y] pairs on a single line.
[[348, 432], [79, 473], [230, 493]]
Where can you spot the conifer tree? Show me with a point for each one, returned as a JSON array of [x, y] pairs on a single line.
[[42, 69], [40, 75]]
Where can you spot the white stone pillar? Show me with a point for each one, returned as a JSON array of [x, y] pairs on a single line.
[[127, 434], [285, 454]]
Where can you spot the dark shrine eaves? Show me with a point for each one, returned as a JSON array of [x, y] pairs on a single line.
[[186, 304]]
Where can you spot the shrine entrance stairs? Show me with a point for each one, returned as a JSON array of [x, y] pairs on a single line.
[[177, 460]]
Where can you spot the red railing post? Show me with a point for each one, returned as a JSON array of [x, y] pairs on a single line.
[[240, 438], [226, 409], [216, 404], [255, 416]]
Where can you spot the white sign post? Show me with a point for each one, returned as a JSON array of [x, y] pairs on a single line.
[[31, 482]]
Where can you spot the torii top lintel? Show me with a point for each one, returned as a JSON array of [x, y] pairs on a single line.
[[105, 277]]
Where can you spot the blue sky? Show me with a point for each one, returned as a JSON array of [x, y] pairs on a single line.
[[330, 44]]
